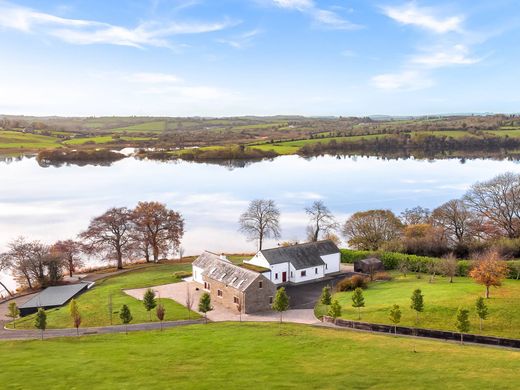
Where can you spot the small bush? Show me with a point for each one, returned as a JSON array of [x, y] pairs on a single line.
[[351, 283], [383, 276], [182, 274]]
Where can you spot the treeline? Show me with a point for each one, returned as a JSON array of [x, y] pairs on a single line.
[[148, 231], [78, 157], [408, 144], [239, 152]]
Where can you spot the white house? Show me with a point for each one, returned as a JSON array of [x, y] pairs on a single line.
[[298, 263]]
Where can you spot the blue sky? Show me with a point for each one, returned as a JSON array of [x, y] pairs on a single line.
[[262, 57]]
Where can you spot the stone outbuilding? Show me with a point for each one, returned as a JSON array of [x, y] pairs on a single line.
[[233, 286], [369, 265]]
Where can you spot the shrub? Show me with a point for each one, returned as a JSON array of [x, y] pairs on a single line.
[[463, 267], [383, 276], [182, 274], [350, 256], [351, 283]]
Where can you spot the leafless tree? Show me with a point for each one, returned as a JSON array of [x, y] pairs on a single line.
[[4, 265], [369, 230], [415, 216], [158, 227], [70, 251], [189, 299], [261, 220], [457, 221], [449, 266], [321, 220], [110, 234], [181, 251], [497, 202]]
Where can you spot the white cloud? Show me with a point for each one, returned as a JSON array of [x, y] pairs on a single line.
[[88, 32], [153, 78], [408, 80], [457, 55], [242, 40], [424, 17], [321, 17]]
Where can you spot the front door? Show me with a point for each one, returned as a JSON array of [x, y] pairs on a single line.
[[284, 277]]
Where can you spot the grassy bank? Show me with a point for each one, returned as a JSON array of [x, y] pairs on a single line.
[[94, 303], [441, 301], [236, 356]]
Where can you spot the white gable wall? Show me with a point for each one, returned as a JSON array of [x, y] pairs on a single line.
[[277, 270], [332, 262], [197, 274]]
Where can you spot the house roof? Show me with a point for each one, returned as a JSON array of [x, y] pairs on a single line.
[[370, 260], [301, 256], [224, 271], [55, 296]]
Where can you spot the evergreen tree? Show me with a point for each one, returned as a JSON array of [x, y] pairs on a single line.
[[462, 322], [40, 321], [417, 304], [326, 296], [149, 302], [395, 316], [334, 310], [482, 310], [13, 312], [126, 316], [281, 302], [358, 300], [205, 305]]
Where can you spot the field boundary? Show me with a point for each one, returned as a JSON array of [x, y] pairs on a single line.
[[426, 333]]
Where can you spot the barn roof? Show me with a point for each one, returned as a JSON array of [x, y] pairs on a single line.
[[55, 296], [224, 271], [301, 256]]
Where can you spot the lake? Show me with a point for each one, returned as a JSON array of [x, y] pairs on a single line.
[[57, 202]]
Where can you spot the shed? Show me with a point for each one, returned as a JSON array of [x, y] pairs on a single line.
[[369, 265], [53, 297]]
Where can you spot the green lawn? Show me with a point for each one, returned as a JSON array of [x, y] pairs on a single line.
[[441, 300], [19, 140], [251, 355], [94, 303]]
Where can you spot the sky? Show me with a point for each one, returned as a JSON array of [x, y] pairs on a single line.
[[259, 57]]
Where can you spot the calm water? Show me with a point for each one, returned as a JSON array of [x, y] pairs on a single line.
[[56, 203]]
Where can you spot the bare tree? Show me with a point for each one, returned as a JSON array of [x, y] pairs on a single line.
[[369, 230], [261, 220], [70, 251], [415, 216], [110, 234], [189, 299], [4, 265], [449, 266], [497, 202], [321, 220], [457, 221], [158, 227]]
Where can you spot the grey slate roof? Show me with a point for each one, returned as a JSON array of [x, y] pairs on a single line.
[[370, 260], [55, 296], [301, 256], [224, 271]]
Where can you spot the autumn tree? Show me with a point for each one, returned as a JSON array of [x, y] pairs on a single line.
[[157, 228], [321, 220], [424, 240], [261, 220], [70, 252], [489, 270], [160, 312], [75, 314], [110, 234], [369, 230]]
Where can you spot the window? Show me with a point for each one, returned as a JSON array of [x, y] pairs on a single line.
[[236, 301], [271, 300], [219, 293], [276, 276], [207, 286], [304, 273], [326, 266], [260, 284], [316, 271]]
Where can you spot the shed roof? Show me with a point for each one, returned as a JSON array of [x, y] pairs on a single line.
[[301, 256], [224, 271], [55, 296], [370, 260]]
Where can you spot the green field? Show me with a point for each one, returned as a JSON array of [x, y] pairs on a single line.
[[103, 140], [94, 303], [148, 127], [251, 355], [19, 140], [441, 299]]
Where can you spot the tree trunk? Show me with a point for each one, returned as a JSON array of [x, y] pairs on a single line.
[[155, 253], [119, 259], [359, 313], [487, 292], [260, 241], [6, 289], [29, 282], [480, 319], [461, 338]]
